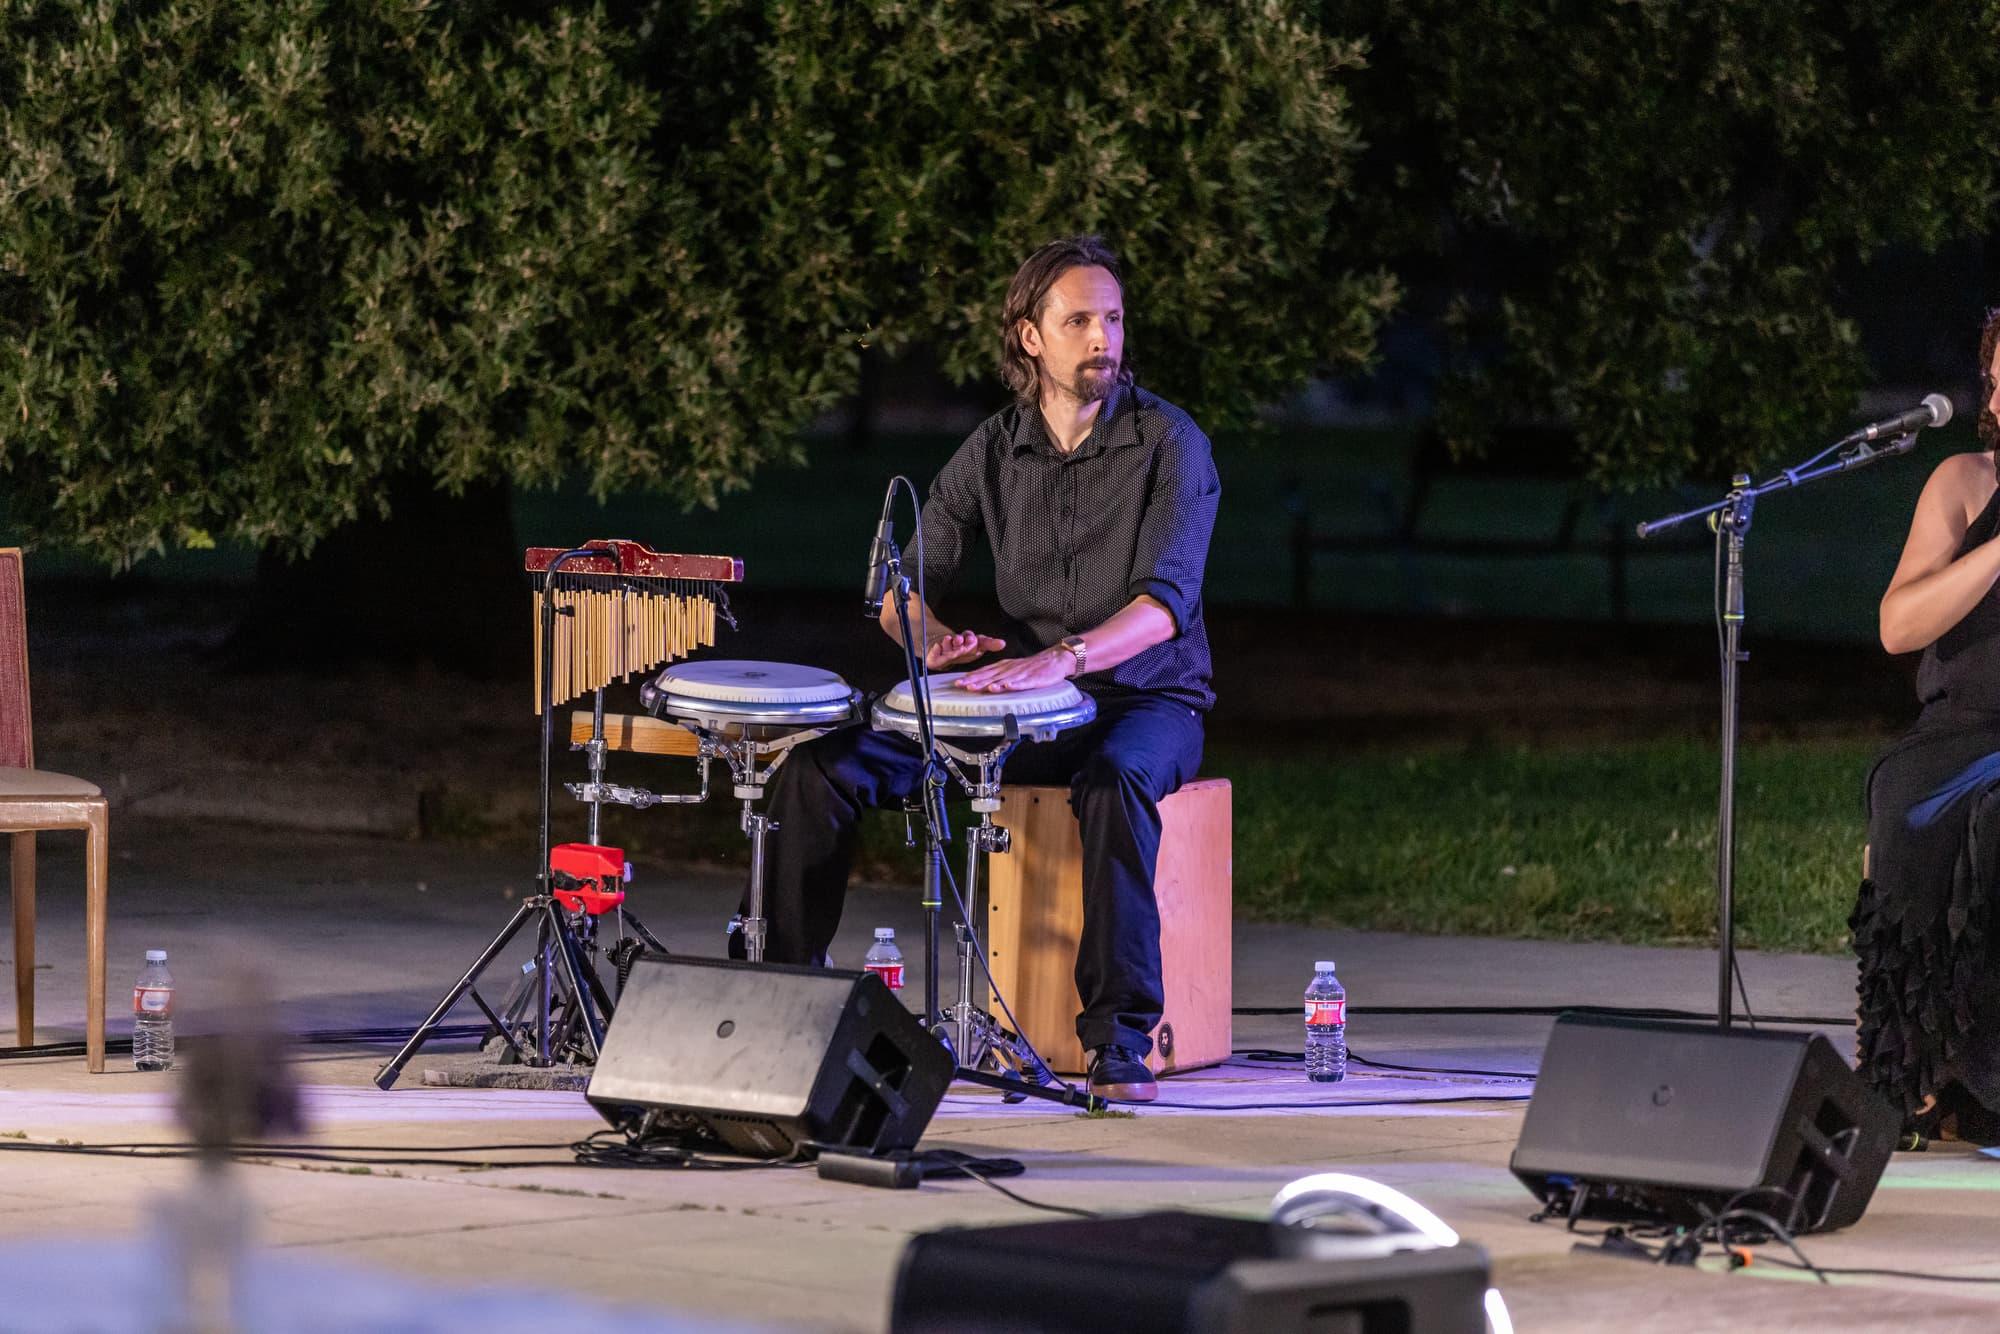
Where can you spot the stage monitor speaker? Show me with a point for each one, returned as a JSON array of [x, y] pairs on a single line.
[[761, 1059], [1635, 1119], [1167, 1272]]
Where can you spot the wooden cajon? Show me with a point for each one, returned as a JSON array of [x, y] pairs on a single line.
[[1035, 917]]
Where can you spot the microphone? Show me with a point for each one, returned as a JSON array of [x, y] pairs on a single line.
[[1935, 410], [877, 587]]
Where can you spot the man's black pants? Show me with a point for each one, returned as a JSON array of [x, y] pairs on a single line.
[[1140, 748]]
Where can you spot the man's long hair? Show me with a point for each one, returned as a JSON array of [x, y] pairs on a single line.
[[1989, 339], [1028, 295]]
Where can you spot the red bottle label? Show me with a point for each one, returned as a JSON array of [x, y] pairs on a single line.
[[1323, 1012], [157, 1002], [890, 973]]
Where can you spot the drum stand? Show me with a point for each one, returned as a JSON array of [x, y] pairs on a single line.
[[975, 1036], [537, 976], [743, 754], [569, 1001], [971, 1025]]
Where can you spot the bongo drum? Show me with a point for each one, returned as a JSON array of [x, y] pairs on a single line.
[[737, 698], [978, 720], [750, 714]]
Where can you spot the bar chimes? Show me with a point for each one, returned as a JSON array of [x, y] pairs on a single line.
[[625, 611]]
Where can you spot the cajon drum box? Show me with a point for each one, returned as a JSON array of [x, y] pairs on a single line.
[[1035, 917]]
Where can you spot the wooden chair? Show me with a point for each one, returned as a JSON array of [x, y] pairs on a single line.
[[32, 800]]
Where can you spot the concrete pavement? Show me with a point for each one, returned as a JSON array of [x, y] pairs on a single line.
[[366, 932]]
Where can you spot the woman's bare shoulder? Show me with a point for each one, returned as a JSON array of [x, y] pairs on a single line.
[[1969, 478]]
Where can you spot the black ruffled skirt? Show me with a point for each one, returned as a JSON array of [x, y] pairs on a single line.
[[1923, 923]]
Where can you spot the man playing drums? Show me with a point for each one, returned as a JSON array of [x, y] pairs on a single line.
[[1098, 499]]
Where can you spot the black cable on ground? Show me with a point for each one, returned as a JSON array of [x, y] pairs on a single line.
[[589, 1152], [1327, 1105], [1266, 1055], [324, 1037], [1626, 1239], [1743, 991], [594, 1153], [975, 1168], [1536, 1011], [1372, 1063], [1845, 1272], [254, 1147], [155, 1152], [1769, 1224]]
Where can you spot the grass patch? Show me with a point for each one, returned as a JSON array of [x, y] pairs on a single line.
[[1600, 842], [1580, 841]]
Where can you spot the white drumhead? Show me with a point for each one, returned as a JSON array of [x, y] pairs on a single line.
[[948, 701], [739, 681]]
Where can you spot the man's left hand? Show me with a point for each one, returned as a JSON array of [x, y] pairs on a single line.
[[1046, 668]]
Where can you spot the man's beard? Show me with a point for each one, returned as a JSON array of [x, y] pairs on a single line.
[[1094, 386]]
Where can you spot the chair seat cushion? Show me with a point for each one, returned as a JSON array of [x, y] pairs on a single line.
[[40, 783]]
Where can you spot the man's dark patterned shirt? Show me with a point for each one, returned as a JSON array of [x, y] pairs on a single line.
[[1077, 536]]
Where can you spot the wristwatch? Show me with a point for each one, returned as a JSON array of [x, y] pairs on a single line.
[[1075, 644]]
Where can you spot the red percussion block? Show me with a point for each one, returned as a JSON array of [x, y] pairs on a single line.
[[587, 878]]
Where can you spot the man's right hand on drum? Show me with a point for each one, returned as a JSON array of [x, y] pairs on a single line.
[[949, 650]]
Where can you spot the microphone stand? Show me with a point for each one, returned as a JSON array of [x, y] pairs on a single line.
[[1730, 518], [936, 831], [936, 834]]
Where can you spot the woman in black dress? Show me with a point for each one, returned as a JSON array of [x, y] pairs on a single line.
[[1925, 926]]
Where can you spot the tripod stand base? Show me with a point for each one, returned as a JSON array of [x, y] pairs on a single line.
[[557, 1005], [1065, 1094], [479, 1070], [1020, 1074], [978, 1040]]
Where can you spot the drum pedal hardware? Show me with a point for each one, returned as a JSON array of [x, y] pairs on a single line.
[[638, 798]]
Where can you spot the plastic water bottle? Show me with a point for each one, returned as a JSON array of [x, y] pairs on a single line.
[[885, 960], [1326, 1026], [153, 1014]]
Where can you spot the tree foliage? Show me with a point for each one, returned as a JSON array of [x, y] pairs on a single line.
[[255, 257], [889, 164], [258, 256], [1638, 213]]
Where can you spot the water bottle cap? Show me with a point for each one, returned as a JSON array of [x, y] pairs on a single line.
[[885, 933], [156, 956], [1323, 966]]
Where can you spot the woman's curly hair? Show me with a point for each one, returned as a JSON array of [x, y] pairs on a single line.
[[1989, 340]]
